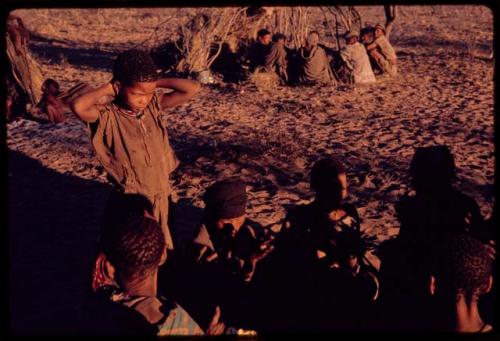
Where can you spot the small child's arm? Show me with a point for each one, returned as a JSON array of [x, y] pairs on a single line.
[[184, 90], [84, 106]]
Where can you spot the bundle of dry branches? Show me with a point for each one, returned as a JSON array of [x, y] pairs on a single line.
[[207, 29]]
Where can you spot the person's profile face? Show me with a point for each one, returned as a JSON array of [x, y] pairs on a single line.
[[138, 95], [378, 32], [265, 39]]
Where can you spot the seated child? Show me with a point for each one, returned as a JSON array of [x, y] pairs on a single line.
[[307, 228], [133, 253], [462, 273]]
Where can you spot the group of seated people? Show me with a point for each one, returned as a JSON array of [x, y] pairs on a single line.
[[365, 54], [314, 275], [311, 64]]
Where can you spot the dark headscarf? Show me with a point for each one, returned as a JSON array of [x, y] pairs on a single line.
[[225, 200]]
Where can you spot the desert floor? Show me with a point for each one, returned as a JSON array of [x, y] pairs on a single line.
[[269, 137]]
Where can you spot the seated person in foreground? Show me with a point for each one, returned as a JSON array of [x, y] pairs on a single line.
[[462, 273], [357, 61], [225, 235], [309, 228], [133, 252]]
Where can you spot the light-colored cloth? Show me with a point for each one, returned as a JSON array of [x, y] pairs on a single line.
[[382, 52], [315, 67], [136, 153], [358, 63], [386, 48]]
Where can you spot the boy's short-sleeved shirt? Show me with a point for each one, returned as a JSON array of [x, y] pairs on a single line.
[[134, 149], [136, 153]]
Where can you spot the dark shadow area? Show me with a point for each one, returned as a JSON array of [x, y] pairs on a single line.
[[94, 58], [53, 228]]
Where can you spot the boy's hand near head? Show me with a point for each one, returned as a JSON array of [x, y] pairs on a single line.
[[183, 90]]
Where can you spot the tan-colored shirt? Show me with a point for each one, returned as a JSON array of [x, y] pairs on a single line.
[[386, 48], [358, 62], [136, 153]]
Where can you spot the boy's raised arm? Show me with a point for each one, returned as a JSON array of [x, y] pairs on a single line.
[[184, 90], [84, 106]]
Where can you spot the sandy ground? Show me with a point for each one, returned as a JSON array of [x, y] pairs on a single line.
[[268, 137]]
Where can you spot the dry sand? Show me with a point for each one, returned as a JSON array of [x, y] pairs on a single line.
[[269, 137]]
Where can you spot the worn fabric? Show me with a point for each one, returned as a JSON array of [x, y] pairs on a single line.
[[236, 253], [25, 70], [314, 66], [168, 317], [136, 153], [358, 63], [276, 61], [382, 52]]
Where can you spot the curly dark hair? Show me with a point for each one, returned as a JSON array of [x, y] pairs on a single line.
[[135, 249], [134, 66], [325, 172], [463, 267]]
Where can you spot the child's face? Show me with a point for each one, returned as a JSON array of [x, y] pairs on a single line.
[[378, 32], [265, 40], [138, 95]]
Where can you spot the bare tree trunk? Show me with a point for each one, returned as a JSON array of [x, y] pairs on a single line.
[[390, 17]]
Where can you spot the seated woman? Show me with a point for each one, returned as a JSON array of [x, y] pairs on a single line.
[[313, 63]]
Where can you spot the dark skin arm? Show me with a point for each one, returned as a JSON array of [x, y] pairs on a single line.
[[85, 106], [183, 90]]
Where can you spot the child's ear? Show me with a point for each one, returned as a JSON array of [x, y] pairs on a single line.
[[432, 285], [490, 284], [163, 258]]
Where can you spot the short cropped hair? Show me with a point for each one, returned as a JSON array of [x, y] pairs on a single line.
[[134, 66], [278, 36], [463, 267], [263, 32], [325, 172], [135, 248]]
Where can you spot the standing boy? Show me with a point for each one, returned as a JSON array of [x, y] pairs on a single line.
[[129, 135]]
